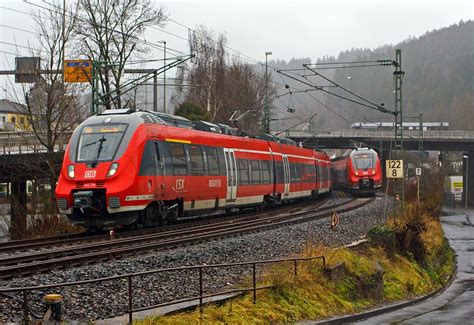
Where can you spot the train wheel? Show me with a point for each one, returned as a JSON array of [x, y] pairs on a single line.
[[149, 217], [173, 213]]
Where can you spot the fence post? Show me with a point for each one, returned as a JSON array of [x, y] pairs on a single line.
[[200, 289], [130, 300], [25, 307], [254, 278], [296, 268]]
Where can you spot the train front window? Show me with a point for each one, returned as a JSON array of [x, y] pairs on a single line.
[[364, 161], [100, 142]]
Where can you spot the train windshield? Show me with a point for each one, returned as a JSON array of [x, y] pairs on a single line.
[[363, 161], [100, 142]]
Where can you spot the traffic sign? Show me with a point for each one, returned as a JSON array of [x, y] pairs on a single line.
[[77, 70], [418, 171], [394, 168]]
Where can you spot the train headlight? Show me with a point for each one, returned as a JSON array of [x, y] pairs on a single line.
[[356, 172], [373, 172], [113, 169], [70, 171]]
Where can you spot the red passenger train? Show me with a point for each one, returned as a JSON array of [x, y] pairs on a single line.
[[124, 167], [358, 171]]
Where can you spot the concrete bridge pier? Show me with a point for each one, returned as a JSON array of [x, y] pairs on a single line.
[[468, 178], [18, 208]]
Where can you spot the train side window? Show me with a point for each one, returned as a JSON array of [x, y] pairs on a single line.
[[213, 161], [292, 172], [243, 172], [318, 173], [147, 166], [312, 172], [165, 157], [255, 170], [279, 172], [197, 162], [222, 170], [179, 158], [266, 176]]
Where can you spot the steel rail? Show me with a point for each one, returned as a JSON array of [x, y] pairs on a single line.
[[165, 235], [194, 238], [28, 244]]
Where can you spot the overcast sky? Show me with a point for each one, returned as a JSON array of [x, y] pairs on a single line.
[[286, 28]]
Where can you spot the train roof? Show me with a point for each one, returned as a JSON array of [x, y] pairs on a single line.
[[137, 117]]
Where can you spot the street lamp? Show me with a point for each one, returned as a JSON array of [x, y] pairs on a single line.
[[466, 157], [266, 112]]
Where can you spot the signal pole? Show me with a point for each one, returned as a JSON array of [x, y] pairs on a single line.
[[398, 146], [266, 111]]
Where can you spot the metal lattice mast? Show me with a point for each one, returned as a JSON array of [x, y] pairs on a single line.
[[420, 151], [398, 147]]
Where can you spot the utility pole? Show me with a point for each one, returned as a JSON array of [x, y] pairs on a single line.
[[164, 78], [63, 35], [266, 111], [398, 146], [420, 153]]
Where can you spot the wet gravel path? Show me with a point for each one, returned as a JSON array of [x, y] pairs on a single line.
[[108, 299]]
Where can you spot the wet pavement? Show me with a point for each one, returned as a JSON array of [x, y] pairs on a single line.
[[455, 305]]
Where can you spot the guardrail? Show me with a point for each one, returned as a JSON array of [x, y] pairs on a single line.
[[383, 134], [129, 278], [28, 142]]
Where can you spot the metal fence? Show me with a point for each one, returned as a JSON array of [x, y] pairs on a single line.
[[28, 142], [383, 134], [25, 291]]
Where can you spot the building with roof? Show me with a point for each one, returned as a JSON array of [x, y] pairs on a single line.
[[13, 116]]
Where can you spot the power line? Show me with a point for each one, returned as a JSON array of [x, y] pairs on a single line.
[[77, 16]]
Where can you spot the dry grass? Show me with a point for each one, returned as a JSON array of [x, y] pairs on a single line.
[[311, 295]]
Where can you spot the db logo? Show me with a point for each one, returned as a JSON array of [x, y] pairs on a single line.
[[179, 185], [89, 174]]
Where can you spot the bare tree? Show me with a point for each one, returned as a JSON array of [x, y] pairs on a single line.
[[110, 34], [245, 89], [53, 108], [207, 73], [220, 87]]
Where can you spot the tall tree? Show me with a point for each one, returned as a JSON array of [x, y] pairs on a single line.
[[222, 87], [206, 75], [111, 34], [53, 107]]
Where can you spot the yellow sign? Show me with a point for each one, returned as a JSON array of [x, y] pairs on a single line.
[[77, 70], [457, 185], [394, 168]]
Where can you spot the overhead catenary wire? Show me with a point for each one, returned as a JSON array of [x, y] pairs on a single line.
[[376, 106], [337, 95]]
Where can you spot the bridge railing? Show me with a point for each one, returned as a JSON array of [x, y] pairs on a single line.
[[27, 142], [383, 134]]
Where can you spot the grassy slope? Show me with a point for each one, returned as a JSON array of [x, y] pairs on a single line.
[[311, 295]]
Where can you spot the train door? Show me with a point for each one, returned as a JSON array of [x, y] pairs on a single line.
[[159, 165], [286, 175], [231, 168]]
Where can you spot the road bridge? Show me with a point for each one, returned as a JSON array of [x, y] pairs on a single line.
[[462, 141]]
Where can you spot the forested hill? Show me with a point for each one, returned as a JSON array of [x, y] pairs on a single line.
[[438, 82], [439, 77]]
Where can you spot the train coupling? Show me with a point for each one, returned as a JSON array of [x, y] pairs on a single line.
[[83, 199]]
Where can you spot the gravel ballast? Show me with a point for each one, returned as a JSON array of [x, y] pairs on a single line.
[[109, 299]]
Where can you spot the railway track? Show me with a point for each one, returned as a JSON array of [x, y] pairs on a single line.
[[94, 251], [28, 245]]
